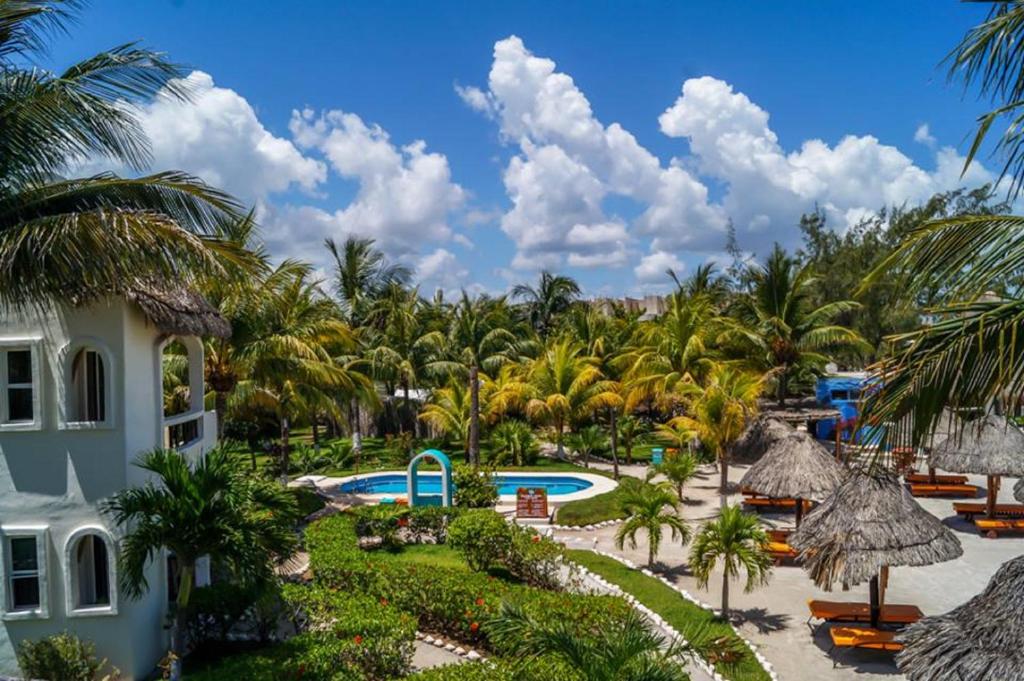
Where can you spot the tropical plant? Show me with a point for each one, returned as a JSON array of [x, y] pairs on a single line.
[[474, 487], [62, 657], [513, 442], [205, 509], [482, 537], [631, 429], [649, 508], [627, 650], [679, 467], [82, 238], [448, 412], [737, 540], [553, 296], [362, 274], [587, 442]]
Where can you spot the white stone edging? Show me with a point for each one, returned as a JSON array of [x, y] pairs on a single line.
[[439, 642], [585, 528], [632, 600]]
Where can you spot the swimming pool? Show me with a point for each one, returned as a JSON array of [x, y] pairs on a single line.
[[430, 483]]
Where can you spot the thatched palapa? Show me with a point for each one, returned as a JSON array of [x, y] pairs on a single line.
[[795, 466], [982, 640], [1018, 490], [178, 310], [758, 437], [989, 446]]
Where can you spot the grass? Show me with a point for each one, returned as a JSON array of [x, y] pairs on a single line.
[[596, 509], [683, 615]]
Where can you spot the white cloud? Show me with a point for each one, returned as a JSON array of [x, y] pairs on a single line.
[[218, 137], [653, 268], [440, 269], [924, 136]]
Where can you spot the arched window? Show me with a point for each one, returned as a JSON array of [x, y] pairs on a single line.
[[88, 395], [89, 572]]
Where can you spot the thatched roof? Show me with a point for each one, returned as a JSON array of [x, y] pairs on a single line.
[[178, 310], [870, 521], [1018, 490], [758, 437], [982, 640], [986, 446], [795, 465]]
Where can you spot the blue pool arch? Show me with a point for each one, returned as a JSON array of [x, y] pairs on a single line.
[[412, 480]]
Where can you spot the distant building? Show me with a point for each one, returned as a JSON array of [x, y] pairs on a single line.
[[649, 306]]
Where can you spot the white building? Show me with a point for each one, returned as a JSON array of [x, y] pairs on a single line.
[[81, 396]]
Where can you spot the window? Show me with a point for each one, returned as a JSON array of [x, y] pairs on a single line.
[[89, 581], [17, 386], [25, 567], [88, 387]]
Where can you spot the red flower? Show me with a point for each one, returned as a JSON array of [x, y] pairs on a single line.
[[536, 538], [474, 626], [479, 601], [358, 639], [383, 601]]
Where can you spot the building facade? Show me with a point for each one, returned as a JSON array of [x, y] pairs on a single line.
[[81, 397]]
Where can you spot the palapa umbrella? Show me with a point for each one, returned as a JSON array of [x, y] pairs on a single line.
[[1018, 490], [990, 446], [758, 437], [869, 523], [982, 640], [795, 466]]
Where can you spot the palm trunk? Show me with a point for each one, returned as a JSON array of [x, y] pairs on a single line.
[[474, 416], [220, 405], [186, 577], [650, 554], [406, 421], [725, 595], [285, 450], [723, 485], [783, 386], [357, 429], [629, 451], [559, 440], [316, 434], [615, 444]]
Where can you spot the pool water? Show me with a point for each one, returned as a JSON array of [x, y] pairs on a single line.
[[394, 483]]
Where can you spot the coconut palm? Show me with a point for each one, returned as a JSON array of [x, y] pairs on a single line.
[[625, 650], [448, 412], [567, 385], [552, 297], [587, 442], [718, 413], [650, 507], [206, 509], [630, 430], [782, 329], [513, 441], [679, 468], [362, 274], [75, 239], [737, 540]]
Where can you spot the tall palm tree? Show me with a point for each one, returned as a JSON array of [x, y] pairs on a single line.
[[553, 295], [75, 239], [737, 540], [718, 413], [626, 650], [448, 412], [785, 332], [567, 385], [649, 508], [206, 509]]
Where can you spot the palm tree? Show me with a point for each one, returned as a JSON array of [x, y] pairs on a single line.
[[718, 413], [448, 412], [625, 650], [207, 509], [784, 331], [77, 239], [630, 430], [514, 441], [587, 442], [567, 385], [679, 467], [552, 297], [737, 540], [649, 507]]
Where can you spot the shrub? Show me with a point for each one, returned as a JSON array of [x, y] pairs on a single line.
[[383, 521], [474, 487], [513, 442], [216, 609], [536, 560], [61, 657], [482, 537], [430, 523], [533, 669]]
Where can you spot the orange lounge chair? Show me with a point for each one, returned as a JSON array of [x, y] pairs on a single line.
[[781, 551], [770, 502], [991, 527], [927, 490], [842, 611], [939, 479], [781, 536], [970, 509], [863, 637]]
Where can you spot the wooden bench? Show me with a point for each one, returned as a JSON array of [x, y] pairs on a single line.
[[863, 637], [843, 611], [928, 490], [779, 535], [771, 502], [991, 527], [970, 509], [939, 479]]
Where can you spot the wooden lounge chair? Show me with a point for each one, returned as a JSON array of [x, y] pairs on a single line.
[[991, 527], [863, 637], [928, 490], [970, 509], [770, 502], [842, 611], [779, 535], [781, 551], [923, 478]]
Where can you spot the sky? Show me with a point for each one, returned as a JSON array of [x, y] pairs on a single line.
[[483, 142]]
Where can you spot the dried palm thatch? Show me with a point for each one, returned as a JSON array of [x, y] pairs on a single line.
[[987, 446], [982, 640], [758, 437], [178, 310], [869, 522], [1018, 490], [796, 466]]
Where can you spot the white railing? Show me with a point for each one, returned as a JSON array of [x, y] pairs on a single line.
[[181, 431]]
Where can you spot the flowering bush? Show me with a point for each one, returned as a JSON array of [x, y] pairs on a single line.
[[474, 487], [482, 537]]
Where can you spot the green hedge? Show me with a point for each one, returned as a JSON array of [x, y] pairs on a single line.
[[539, 669]]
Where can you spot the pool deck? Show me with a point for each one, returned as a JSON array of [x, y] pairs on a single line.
[[330, 487]]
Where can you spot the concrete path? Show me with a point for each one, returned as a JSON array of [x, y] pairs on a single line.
[[774, 617], [428, 656]]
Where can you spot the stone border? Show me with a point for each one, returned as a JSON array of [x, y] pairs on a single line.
[[708, 668], [438, 642], [582, 528]]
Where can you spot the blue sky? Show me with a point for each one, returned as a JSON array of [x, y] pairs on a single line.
[[574, 146]]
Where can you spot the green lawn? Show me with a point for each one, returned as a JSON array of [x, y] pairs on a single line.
[[685, 616], [593, 510]]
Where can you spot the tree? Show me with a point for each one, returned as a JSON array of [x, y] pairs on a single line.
[[448, 412], [649, 508], [207, 509], [679, 467], [83, 238], [718, 413], [737, 540], [553, 296], [513, 441], [786, 333], [362, 274], [587, 442], [630, 430], [625, 650]]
